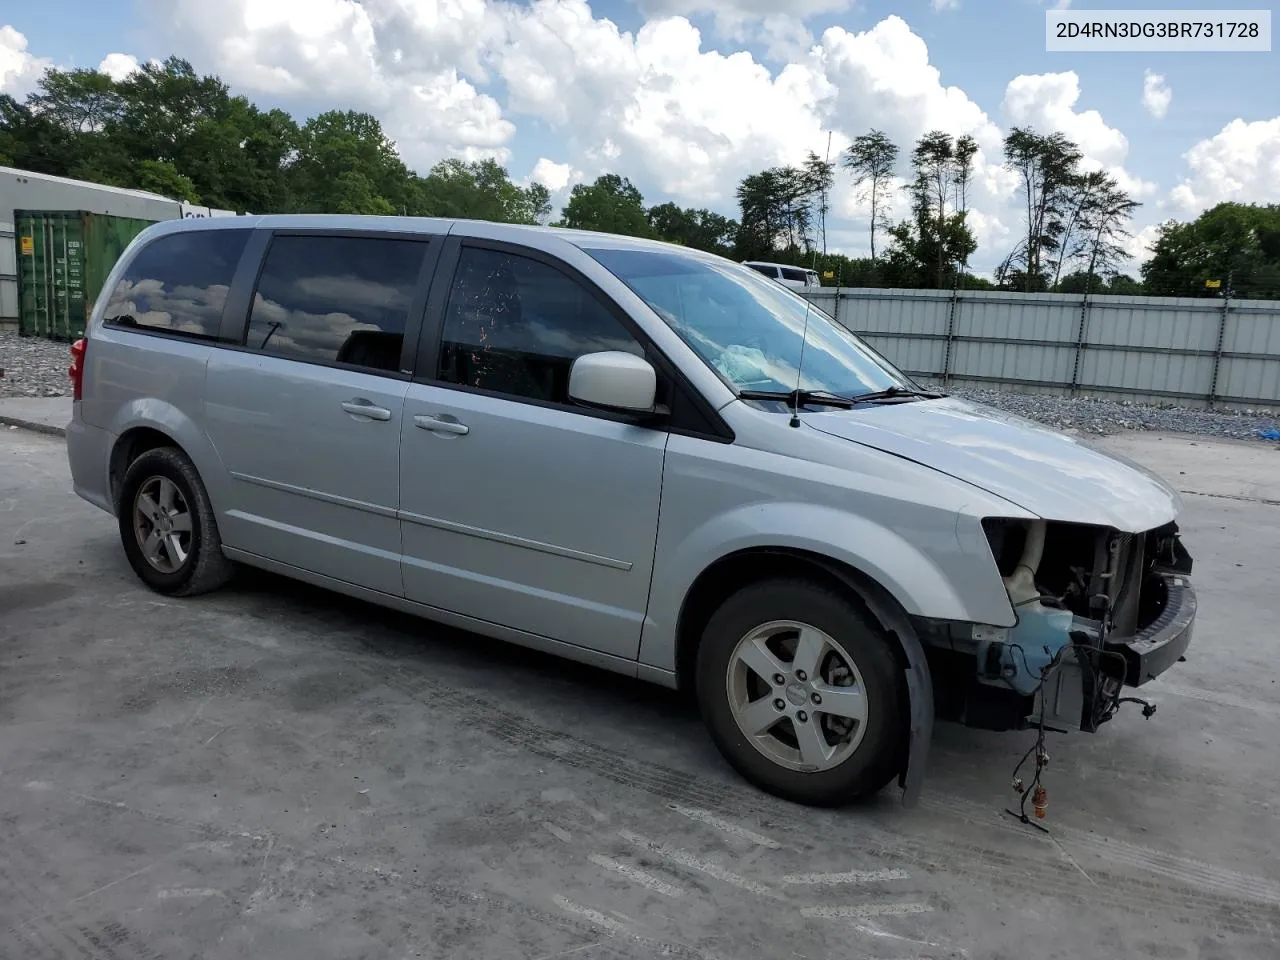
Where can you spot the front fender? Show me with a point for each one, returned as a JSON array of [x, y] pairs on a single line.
[[952, 582]]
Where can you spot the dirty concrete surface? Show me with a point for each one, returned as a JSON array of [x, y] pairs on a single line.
[[274, 771]]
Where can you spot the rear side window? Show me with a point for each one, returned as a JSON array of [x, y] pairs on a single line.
[[178, 283], [336, 299], [791, 273]]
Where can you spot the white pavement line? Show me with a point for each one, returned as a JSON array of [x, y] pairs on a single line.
[[688, 860], [635, 875], [853, 876], [595, 916], [877, 932], [186, 892], [726, 826], [558, 832], [865, 911]]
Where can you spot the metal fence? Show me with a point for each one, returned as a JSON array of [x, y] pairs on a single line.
[[1197, 352]]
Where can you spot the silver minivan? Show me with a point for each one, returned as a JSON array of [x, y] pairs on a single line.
[[628, 453]]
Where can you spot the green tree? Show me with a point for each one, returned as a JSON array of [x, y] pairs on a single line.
[[345, 164], [699, 229], [871, 159], [79, 100], [1047, 165], [34, 142], [820, 177], [162, 177], [1104, 227], [775, 213], [932, 248], [611, 205], [1235, 243], [481, 190]]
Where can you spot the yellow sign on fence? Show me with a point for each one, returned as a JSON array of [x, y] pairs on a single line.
[[1213, 284], [28, 246], [828, 274]]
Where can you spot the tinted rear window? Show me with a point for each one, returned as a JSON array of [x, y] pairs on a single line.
[[336, 299], [791, 273], [179, 283], [767, 271]]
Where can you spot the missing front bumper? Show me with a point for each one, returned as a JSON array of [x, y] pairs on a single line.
[[1163, 642]]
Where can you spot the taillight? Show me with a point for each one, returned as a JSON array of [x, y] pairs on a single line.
[[76, 370]]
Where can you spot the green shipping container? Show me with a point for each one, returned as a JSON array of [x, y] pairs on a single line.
[[64, 257]]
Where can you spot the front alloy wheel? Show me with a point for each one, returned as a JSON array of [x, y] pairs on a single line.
[[797, 696], [802, 693]]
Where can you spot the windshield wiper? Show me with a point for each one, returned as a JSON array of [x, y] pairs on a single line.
[[896, 393], [799, 398]]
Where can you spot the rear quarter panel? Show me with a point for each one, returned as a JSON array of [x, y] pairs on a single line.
[[146, 380]]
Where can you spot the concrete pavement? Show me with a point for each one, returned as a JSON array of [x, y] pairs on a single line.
[[43, 414], [274, 771]]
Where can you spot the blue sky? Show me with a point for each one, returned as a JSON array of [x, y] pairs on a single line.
[[566, 89]]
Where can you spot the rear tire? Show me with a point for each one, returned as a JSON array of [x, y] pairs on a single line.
[[168, 528], [800, 691]]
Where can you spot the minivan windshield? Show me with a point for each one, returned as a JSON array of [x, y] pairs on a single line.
[[750, 329]]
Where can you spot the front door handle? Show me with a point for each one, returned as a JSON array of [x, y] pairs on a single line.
[[360, 407], [438, 425]]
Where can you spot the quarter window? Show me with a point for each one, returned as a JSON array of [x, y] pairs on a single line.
[[515, 325], [178, 283], [336, 299]]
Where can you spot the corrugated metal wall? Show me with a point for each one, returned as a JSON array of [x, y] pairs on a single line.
[[1156, 349]]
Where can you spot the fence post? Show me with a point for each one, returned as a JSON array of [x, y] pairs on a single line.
[[1217, 350], [1081, 341], [951, 329]]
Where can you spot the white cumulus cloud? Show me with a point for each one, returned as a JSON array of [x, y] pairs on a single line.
[[1047, 102], [1156, 94], [404, 61], [19, 69], [1241, 162], [556, 177], [117, 66]]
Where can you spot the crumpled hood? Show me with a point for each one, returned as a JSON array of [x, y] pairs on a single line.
[[1048, 473]]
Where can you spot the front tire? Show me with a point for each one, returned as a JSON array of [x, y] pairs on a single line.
[[800, 691], [168, 528]]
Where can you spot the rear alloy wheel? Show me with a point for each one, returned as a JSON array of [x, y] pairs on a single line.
[[162, 524], [801, 693], [167, 525]]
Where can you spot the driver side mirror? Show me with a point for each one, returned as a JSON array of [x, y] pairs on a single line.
[[614, 380]]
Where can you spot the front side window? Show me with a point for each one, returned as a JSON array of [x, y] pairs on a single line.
[[336, 299], [178, 283], [751, 331], [515, 325], [771, 272]]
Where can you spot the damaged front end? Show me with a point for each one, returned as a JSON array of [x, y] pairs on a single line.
[[1097, 610]]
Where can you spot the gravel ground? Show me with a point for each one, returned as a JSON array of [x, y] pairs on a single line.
[[38, 368], [33, 367], [1102, 417]]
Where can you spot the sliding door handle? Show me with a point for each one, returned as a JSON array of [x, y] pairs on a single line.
[[441, 425], [359, 407]]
